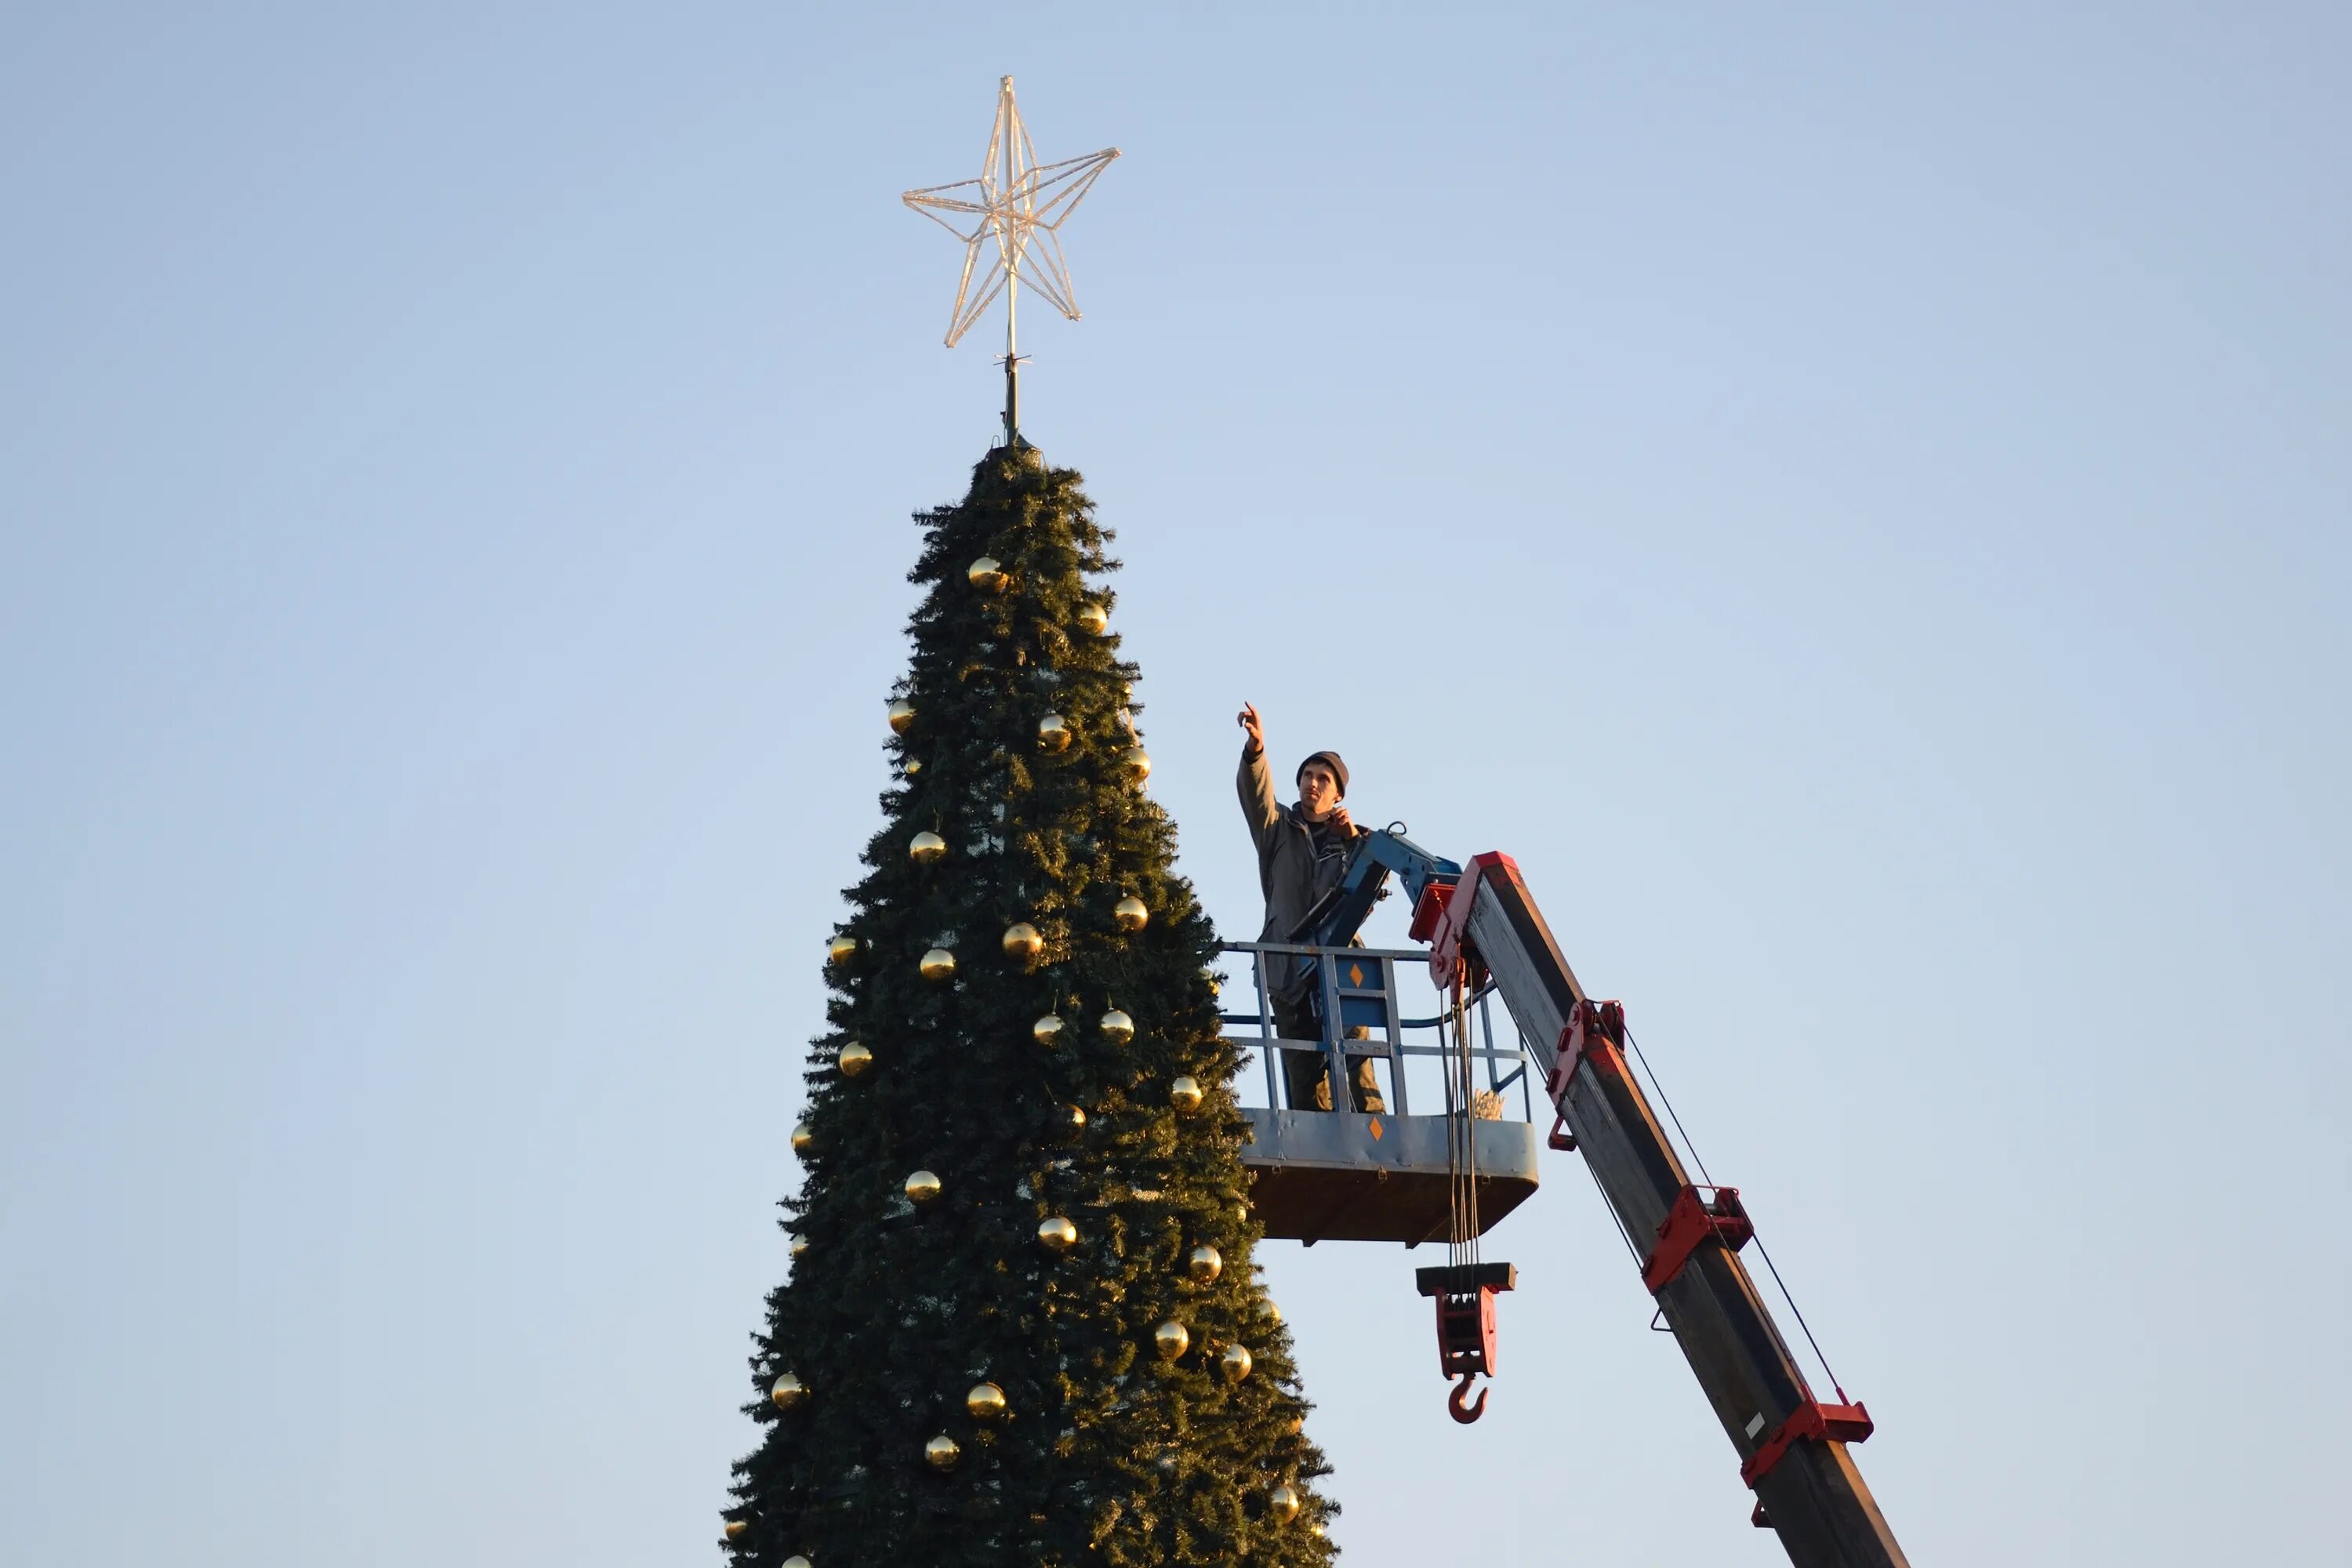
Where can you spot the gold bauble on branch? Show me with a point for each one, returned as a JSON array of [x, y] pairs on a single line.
[[938, 965], [1070, 1122], [1270, 1312], [987, 575], [1284, 1504], [796, 1243], [943, 1452], [1171, 1339], [788, 1393], [1047, 1030], [1093, 617], [1205, 1264], [735, 1529], [1022, 943], [1298, 1425], [1130, 915], [1056, 1234], [986, 1402], [841, 949], [902, 715], [1136, 763], [1235, 1362], [923, 1189], [855, 1059], [1315, 1530], [1053, 733], [927, 849], [1184, 1094], [797, 1561], [914, 767], [1118, 1027], [802, 1140]]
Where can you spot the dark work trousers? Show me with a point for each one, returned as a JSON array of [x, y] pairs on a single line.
[[1305, 1073]]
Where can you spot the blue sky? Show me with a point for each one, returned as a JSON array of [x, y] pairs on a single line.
[[1853, 501]]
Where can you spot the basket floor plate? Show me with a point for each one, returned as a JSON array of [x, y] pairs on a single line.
[[1324, 1176]]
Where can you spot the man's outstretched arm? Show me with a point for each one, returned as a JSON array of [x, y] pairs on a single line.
[[1255, 780]]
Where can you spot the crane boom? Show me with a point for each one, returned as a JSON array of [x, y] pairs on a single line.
[[1793, 1446]]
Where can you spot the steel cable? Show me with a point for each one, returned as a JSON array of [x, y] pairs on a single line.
[[1762, 1251]]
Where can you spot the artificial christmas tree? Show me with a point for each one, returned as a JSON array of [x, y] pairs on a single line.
[[1022, 1325]]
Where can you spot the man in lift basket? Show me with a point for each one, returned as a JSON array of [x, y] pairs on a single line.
[[1302, 853]]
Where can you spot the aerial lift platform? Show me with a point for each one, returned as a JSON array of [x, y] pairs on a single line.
[[1400, 1176]]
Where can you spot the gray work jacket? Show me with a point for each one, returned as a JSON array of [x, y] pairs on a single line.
[[1291, 874]]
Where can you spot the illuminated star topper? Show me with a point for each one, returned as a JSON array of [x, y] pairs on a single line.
[[1015, 204]]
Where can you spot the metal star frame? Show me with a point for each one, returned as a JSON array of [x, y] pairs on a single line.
[[1019, 206]]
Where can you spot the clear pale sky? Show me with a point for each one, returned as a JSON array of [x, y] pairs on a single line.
[[1854, 498]]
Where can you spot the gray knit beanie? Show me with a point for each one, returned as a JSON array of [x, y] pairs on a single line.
[[1329, 760]]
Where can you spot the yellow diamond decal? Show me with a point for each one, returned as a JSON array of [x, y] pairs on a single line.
[[1375, 1129], [1355, 975]]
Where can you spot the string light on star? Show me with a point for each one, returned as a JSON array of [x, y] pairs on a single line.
[[1016, 209]]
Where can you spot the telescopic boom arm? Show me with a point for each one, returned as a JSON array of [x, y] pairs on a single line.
[[1793, 1446]]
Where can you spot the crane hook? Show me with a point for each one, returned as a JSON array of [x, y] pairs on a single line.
[[1460, 1407]]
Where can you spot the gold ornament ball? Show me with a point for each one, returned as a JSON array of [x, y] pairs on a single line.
[[1270, 1312], [1022, 941], [1070, 1122], [927, 849], [841, 949], [1315, 1530], [855, 1059], [902, 715], [1284, 1504], [923, 1189], [735, 1529], [1057, 1235], [1053, 733], [1118, 1027], [1137, 764], [1205, 1264], [790, 1392], [1184, 1094], [986, 1402], [914, 767], [938, 965], [1298, 1425], [803, 1139], [1130, 915], [796, 1243], [943, 1452], [1171, 1339], [1047, 1030], [796, 1561], [1235, 1362], [1093, 617], [987, 575]]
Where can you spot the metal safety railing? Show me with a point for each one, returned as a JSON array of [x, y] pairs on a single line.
[[1357, 989]]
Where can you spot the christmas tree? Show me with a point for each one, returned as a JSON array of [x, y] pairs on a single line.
[[1022, 1325]]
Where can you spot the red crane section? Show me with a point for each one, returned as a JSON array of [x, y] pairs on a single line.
[[1792, 1444]]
